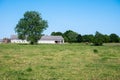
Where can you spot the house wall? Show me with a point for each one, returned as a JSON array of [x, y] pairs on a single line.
[[46, 41], [39, 41], [50, 42], [19, 41]]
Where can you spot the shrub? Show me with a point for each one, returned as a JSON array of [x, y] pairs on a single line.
[[99, 43], [29, 69], [95, 50]]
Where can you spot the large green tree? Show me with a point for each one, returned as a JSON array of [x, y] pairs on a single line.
[[70, 36], [79, 38], [31, 26], [88, 38], [114, 37], [57, 34], [106, 38], [98, 39]]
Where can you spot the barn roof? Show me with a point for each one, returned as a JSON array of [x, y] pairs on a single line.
[[14, 37], [57, 38], [51, 38]]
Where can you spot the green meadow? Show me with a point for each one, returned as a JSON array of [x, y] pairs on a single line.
[[59, 62]]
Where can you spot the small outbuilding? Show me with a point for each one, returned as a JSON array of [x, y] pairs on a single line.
[[1, 41], [6, 40], [51, 40]]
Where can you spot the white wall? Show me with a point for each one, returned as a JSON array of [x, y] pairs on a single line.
[[19, 41], [39, 41], [46, 41]]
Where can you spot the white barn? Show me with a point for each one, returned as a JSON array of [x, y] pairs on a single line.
[[44, 40], [14, 39], [51, 40]]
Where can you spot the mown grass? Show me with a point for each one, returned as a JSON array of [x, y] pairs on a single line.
[[59, 62]]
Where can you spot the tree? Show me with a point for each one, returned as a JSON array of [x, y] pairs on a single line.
[[114, 37], [79, 38], [119, 39], [70, 36], [106, 38], [88, 38], [31, 26], [56, 33], [98, 39]]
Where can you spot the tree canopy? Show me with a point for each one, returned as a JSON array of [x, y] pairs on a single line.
[[88, 38], [79, 38], [70, 36], [31, 26], [114, 37], [98, 39], [57, 34]]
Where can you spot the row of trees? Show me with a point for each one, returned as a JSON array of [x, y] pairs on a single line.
[[32, 25], [97, 39]]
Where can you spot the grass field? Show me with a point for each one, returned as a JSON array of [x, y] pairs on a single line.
[[59, 62]]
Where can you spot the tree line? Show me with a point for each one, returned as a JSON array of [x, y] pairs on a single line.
[[31, 26], [97, 39]]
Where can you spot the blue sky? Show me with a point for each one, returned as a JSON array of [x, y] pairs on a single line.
[[82, 16]]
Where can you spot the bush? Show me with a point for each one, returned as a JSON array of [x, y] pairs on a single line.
[[29, 69], [95, 50], [97, 43]]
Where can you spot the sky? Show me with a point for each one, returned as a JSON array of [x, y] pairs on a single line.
[[81, 16]]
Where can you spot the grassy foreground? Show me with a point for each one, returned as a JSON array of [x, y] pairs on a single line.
[[59, 62]]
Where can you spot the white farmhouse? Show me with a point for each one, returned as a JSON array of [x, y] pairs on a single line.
[[51, 40], [44, 40], [14, 39]]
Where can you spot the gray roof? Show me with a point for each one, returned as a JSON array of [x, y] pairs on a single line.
[[57, 38], [14, 37]]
